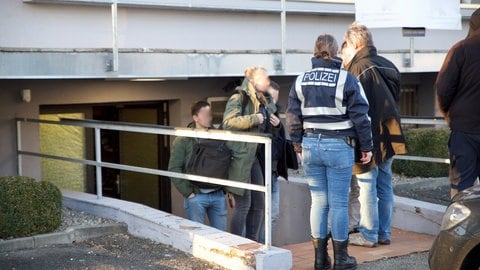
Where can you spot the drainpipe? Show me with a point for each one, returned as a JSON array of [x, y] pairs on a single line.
[[19, 148], [114, 67]]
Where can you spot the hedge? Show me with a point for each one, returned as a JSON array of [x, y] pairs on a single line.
[[28, 207], [425, 142]]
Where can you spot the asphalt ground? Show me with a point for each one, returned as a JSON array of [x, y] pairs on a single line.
[[415, 261], [115, 251], [123, 251]]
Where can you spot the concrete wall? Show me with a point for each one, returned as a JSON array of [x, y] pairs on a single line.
[[293, 225]]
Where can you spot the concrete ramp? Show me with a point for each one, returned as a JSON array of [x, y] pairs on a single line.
[[204, 242], [417, 216]]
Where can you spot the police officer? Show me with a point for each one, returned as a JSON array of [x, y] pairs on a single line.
[[326, 115]]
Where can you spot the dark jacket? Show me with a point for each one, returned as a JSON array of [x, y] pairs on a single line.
[[331, 100], [458, 85], [233, 119], [381, 82], [279, 151]]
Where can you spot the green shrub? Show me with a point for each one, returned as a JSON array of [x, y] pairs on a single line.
[[28, 207], [425, 142]]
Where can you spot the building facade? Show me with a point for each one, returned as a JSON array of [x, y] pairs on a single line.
[[147, 61]]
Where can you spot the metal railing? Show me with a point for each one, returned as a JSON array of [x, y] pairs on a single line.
[[159, 130], [414, 120], [212, 134]]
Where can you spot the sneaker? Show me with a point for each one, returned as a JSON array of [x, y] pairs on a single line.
[[357, 239], [384, 241]]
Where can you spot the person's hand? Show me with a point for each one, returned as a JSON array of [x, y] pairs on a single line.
[[366, 157], [260, 118], [274, 120], [231, 200], [299, 157], [297, 147], [191, 195]]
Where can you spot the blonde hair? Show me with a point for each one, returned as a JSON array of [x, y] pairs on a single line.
[[251, 72], [326, 47], [359, 35]]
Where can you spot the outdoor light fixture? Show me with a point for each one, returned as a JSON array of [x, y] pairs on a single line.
[[26, 95]]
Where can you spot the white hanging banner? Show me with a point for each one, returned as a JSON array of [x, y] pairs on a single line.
[[430, 14]]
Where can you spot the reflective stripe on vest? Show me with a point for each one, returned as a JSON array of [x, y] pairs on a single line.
[[339, 108]]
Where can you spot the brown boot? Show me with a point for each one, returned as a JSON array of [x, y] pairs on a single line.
[[342, 260], [322, 260]]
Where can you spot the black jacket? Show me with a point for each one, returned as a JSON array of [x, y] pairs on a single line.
[[458, 85], [381, 82], [280, 153]]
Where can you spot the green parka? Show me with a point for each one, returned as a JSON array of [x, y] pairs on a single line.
[[180, 155], [243, 152]]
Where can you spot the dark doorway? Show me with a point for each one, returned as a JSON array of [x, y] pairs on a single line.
[[136, 149]]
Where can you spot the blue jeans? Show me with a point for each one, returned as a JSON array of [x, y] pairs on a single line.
[[464, 151], [212, 204], [275, 209], [376, 202], [249, 208], [328, 165]]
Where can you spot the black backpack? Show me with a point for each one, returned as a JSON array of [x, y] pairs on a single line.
[[212, 158], [209, 158]]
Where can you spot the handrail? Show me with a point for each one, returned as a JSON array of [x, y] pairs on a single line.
[[161, 130], [187, 132], [423, 120]]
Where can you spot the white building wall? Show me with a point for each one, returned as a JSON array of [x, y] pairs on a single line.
[[233, 33]]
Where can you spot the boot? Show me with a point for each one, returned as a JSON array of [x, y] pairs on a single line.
[[342, 260], [322, 260]]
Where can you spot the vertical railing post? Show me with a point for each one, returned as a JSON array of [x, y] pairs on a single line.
[[114, 37], [98, 160], [19, 148], [283, 21], [268, 194], [412, 51]]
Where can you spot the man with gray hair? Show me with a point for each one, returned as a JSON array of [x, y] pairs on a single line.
[[381, 81]]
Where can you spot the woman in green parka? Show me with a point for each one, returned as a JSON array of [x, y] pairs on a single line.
[[252, 115]]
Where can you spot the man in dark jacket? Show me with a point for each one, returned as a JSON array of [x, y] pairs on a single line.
[[458, 94], [381, 81], [201, 199]]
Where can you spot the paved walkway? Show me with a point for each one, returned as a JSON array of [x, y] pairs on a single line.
[[403, 243]]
